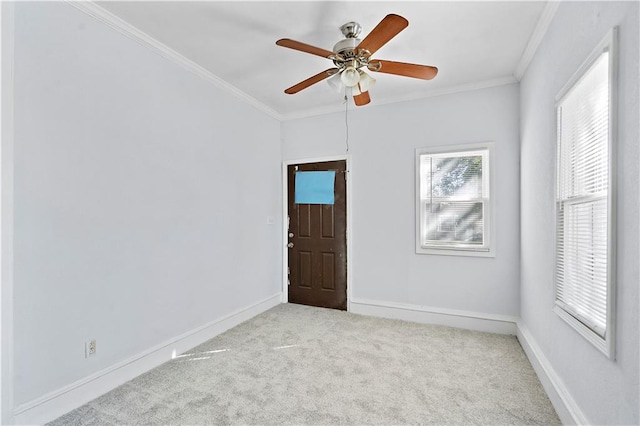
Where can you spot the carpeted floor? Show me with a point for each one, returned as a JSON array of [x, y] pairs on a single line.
[[301, 365]]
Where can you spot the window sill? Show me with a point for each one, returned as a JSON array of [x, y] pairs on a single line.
[[455, 252], [603, 345]]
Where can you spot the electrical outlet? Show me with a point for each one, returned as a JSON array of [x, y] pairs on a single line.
[[90, 348]]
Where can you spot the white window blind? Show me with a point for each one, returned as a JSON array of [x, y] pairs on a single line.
[[582, 201], [453, 202]]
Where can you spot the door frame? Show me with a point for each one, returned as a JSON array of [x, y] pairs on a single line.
[[285, 211]]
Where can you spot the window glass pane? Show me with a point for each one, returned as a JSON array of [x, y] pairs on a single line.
[[454, 222], [456, 177], [582, 260], [584, 134]]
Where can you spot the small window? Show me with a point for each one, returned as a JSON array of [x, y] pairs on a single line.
[[584, 227], [453, 206]]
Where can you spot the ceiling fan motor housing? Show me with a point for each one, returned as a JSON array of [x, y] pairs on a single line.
[[347, 47], [347, 52]]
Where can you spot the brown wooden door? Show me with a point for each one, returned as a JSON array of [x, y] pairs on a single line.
[[317, 237]]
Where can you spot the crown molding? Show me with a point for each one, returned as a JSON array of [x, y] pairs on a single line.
[[538, 34], [125, 28], [449, 90]]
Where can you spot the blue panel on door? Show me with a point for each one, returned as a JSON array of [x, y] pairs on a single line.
[[315, 187]]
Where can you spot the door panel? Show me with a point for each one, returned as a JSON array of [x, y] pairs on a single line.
[[328, 224], [318, 258]]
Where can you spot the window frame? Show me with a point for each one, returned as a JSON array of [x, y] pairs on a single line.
[[604, 344], [488, 248]]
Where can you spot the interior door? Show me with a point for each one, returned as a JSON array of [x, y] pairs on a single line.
[[317, 241]]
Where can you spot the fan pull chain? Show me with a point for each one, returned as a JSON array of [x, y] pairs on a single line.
[[346, 119]]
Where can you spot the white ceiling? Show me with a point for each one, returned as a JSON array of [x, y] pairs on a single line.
[[473, 44]]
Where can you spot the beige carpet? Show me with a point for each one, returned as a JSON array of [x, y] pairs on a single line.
[[300, 365]]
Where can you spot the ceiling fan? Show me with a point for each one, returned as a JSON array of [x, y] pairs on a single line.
[[351, 55]]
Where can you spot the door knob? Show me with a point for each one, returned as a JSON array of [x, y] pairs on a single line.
[[290, 245]]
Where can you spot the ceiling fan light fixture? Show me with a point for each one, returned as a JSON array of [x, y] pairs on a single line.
[[335, 82], [350, 76], [366, 81]]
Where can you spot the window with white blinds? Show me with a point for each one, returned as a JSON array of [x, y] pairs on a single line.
[[583, 201], [453, 206]]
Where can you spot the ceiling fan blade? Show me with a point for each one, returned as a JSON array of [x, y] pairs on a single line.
[[387, 29], [311, 80], [362, 99], [424, 72], [302, 47]]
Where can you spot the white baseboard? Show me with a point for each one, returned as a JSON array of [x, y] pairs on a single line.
[[566, 407], [502, 324], [61, 401]]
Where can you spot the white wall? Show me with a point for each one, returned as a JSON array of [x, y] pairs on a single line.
[[382, 141], [605, 391], [6, 212], [142, 194]]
